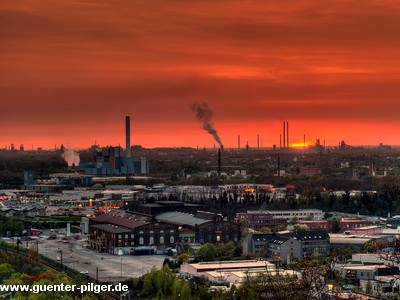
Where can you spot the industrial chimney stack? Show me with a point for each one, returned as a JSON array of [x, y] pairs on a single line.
[[219, 162], [128, 137]]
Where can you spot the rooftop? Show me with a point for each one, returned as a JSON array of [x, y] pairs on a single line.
[[239, 264], [180, 218], [112, 228]]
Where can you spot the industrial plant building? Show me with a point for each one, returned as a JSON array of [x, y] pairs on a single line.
[[109, 160], [120, 232], [123, 231], [208, 227]]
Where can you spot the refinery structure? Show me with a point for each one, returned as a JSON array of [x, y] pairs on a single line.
[[110, 160]]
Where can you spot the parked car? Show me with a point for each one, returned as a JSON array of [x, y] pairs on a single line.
[[84, 272]]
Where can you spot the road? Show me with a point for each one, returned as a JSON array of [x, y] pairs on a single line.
[[111, 268]]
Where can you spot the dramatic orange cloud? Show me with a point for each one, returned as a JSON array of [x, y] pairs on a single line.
[[72, 70]]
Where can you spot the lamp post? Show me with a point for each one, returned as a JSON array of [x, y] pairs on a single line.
[[61, 257], [121, 266], [19, 257]]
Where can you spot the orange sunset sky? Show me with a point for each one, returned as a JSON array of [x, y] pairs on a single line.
[[72, 70]]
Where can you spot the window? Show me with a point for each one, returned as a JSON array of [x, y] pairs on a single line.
[[218, 238], [161, 231], [132, 243], [141, 232], [132, 236], [126, 236], [172, 239], [141, 240], [151, 231], [162, 239], [151, 240]]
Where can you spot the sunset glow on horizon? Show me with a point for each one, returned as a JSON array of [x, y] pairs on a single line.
[[71, 72]]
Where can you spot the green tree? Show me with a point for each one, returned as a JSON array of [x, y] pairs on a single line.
[[207, 252], [368, 247], [279, 228], [265, 230], [309, 218], [6, 270], [185, 292], [244, 225], [229, 250]]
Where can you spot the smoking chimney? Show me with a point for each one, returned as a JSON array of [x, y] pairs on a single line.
[[128, 136], [219, 161]]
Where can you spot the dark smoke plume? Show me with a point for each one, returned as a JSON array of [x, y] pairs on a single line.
[[203, 115]]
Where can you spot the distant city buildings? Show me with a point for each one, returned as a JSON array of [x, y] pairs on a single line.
[[259, 219]]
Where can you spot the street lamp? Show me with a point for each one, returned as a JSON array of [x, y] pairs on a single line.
[[121, 266], [61, 257], [18, 243]]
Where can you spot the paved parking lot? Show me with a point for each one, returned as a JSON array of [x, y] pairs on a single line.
[[110, 267]]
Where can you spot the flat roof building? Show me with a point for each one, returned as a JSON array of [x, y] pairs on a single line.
[[201, 268]]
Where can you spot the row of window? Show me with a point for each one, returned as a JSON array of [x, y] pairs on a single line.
[[151, 241], [120, 236]]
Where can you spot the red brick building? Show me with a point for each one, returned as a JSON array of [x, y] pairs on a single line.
[[335, 226]]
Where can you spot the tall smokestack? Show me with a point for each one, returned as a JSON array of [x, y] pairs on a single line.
[[239, 142], [258, 141], [284, 134], [219, 161], [287, 134], [128, 136]]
